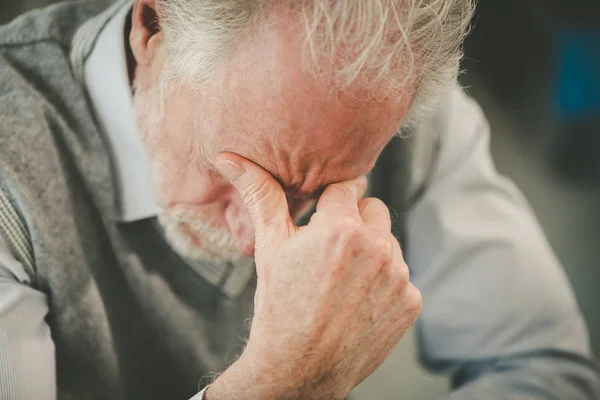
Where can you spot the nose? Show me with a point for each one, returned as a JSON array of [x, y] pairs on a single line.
[[241, 228]]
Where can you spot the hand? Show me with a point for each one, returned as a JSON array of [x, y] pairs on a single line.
[[333, 297]]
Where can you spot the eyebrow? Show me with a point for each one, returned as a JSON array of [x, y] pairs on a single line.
[[289, 190]]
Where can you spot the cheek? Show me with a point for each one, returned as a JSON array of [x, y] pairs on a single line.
[[202, 198], [211, 187], [196, 187], [240, 225]]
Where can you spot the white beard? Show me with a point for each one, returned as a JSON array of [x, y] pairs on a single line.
[[215, 244]]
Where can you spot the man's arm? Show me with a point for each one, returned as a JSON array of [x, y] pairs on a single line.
[[499, 314], [27, 361], [322, 321]]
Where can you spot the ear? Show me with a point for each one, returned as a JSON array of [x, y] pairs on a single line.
[[146, 36]]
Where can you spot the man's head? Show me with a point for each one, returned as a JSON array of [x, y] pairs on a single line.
[[310, 90]]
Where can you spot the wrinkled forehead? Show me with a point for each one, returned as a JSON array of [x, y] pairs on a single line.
[[266, 106], [304, 135]]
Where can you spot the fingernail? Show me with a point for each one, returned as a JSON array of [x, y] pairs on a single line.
[[230, 170]]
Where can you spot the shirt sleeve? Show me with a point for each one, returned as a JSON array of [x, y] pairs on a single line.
[[499, 314], [200, 396], [27, 360]]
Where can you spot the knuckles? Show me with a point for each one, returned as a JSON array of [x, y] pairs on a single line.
[[376, 204], [413, 301], [380, 248], [399, 276], [353, 236], [344, 231]]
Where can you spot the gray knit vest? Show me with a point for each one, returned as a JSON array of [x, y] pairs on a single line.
[[130, 318]]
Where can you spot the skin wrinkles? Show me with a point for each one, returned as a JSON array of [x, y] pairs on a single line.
[[231, 154], [261, 105]]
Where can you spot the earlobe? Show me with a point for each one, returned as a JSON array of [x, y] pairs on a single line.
[[146, 36]]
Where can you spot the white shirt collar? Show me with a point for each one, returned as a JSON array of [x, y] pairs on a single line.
[[107, 80]]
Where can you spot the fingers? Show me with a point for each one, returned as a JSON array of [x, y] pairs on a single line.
[[374, 212], [342, 198], [262, 195]]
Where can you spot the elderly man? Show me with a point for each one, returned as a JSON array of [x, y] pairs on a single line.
[[157, 158]]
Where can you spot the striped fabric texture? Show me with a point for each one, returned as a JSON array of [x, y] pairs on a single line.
[[14, 232]]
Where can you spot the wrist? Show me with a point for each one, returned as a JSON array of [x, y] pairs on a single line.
[[248, 380], [252, 376]]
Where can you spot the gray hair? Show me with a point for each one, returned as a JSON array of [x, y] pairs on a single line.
[[384, 43]]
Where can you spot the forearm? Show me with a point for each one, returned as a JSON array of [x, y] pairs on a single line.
[[554, 375]]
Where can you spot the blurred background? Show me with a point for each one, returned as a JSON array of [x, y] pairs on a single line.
[[534, 66]]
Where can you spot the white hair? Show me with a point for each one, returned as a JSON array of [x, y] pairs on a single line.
[[384, 43]]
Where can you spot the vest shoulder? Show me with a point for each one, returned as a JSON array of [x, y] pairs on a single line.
[[26, 134], [57, 23]]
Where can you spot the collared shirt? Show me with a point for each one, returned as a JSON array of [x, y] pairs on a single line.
[[497, 304], [107, 80]]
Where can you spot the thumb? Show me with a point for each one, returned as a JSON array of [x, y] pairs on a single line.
[[262, 195]]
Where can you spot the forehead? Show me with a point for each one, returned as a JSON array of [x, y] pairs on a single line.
[[267, 107], [307, 141]]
